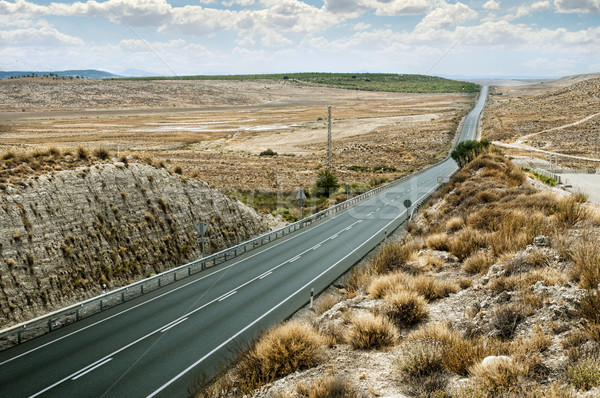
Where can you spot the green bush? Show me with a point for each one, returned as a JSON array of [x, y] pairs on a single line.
[[326, 184], [268, 152], [467, 151]]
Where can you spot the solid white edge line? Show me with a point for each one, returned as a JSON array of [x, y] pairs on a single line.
[[267, 313], [164, 294], [89, 370]]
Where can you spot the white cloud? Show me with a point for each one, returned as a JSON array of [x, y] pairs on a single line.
[[40, 36], [578, 6], [491, 5], [540, 6], [243, 3], [446, 15], [361, 26], [274, 39], [355, 8]]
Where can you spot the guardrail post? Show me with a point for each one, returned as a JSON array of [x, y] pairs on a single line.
[[101, 305], [19, 337], [77, 315], [174, 276], [142, 287], [49, 325], [158, 286], [189, 271], [123, 296]]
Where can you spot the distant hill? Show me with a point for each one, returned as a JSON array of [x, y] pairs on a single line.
[[83, 73], [351, 81]]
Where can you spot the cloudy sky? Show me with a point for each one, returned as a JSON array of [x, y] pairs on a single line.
[[182, 37]]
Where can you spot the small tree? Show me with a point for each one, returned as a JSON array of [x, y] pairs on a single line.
[[326, 183]]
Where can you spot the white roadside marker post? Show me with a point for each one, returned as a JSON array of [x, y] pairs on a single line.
[[312, 292]]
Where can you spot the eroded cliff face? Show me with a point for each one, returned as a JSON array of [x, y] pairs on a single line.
[[63, 235]]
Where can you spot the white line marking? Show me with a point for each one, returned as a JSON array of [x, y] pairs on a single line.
[[266, 313], [170, 291], [265, 274], [333, 237], [92, 368], [295, 258], [227, 295], [173, 325], [315, 247]]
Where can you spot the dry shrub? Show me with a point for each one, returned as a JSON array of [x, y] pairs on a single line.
[[499, 377], [553, 390], [327, 386], [101, 153], [454, 224], [438, 242], [392, 256], [589, 306], [521, 348], [325, 303], [585, 374], [386, 284], [405, 309], [421, 370], [521, 263], [586, 255], [286, 348], [569, 211], [368, 331], [430, 288], [467, 241], [505, 320], [459, 352], [550, 277], [82, 153], [479, 262], [356, 280]]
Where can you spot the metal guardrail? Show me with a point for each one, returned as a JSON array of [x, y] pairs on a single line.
[[34, 328], [28, 330]]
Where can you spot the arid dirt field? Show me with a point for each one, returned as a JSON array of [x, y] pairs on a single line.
[[215, 130], [560, 116]]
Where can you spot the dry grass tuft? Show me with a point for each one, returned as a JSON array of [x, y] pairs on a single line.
[[498, 377], [386, 284], [459, 352], [438, 242], [479, 262], [586, 256], [283, 350], [430, 288], [405, 309], [370, 331], [466, 242], [505, 320], [585, 374], [325, 303], [392, 256], [421, 370], [455, 223], [327, 386], [569, 211]]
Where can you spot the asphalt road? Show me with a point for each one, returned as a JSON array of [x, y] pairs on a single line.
[[157, 344], [586, 183]]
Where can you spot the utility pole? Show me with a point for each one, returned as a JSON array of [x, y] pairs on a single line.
[[329, 156]]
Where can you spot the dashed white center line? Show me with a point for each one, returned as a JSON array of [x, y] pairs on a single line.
[[359, 221], [89, 368], [315, 247], [265, 274], [227, 295], [173, 324], [294, 259], [333, 237]]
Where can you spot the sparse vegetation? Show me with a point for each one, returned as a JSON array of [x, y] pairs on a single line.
[[368, 331], [286, 348]]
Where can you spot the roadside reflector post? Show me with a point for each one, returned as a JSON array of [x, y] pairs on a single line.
[[312, 293]]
